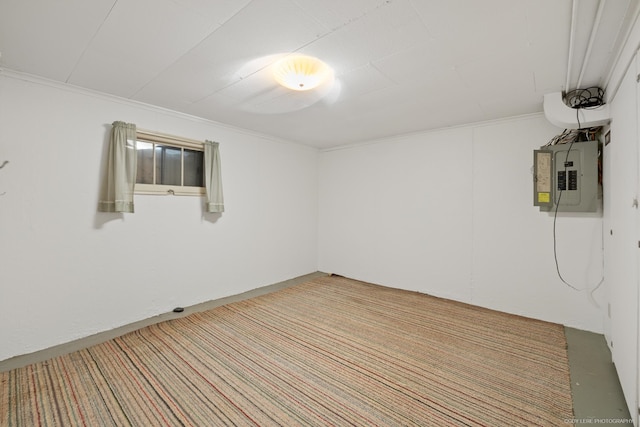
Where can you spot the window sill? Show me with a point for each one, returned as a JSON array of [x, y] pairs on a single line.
[[168, 190]]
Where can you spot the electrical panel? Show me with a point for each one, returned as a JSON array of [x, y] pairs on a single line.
[[565, 177]]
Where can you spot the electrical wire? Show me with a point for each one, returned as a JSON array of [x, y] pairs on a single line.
[[555, 216], [591, 97]]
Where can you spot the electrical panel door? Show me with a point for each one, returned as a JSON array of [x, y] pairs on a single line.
[[566, 177]]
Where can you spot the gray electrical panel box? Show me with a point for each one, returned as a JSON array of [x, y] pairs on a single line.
[[566, 176]]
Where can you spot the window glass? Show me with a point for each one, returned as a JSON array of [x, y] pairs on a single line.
[[168, 165], [193, 168], [145, 163], [166, 168]]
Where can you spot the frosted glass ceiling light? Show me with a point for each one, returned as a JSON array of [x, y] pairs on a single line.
[[301, 72]]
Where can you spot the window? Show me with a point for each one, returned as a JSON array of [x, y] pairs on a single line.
[[169, 165]]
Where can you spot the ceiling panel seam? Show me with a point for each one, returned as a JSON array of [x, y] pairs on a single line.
[[106, 17], [195, 46]]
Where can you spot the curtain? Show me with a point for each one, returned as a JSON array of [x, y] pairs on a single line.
[[122, 168], [212, 178]]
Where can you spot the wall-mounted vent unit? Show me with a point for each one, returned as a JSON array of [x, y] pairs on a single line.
[[564, 116]]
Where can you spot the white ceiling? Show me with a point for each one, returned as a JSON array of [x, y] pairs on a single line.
[[401, 65]]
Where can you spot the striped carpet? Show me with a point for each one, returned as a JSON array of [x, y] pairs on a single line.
[[332, 351]]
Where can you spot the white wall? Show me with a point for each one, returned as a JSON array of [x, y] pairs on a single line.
[[67, 271], [447, 213], [621, 235], [450, 213], [622, 219]]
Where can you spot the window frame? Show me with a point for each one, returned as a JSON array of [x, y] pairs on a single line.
[[174, 142]]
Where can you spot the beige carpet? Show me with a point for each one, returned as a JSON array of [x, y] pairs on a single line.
[[331, 351]]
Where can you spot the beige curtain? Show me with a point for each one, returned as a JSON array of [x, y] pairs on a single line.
[[122, 167], [212, 176]]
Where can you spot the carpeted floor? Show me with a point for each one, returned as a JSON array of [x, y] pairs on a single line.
[[332, 351]]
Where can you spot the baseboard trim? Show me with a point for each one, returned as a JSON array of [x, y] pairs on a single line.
[[79, 344]]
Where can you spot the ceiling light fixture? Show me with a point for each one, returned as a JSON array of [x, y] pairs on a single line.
[[299, 72]]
